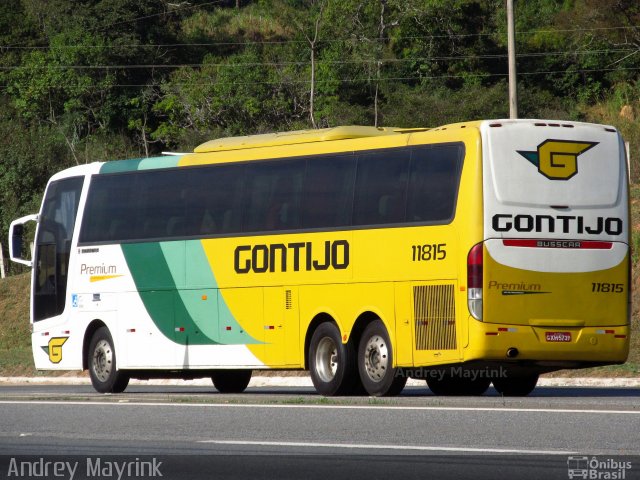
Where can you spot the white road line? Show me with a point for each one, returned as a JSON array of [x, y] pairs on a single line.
[[127, 403], [305, 381], [356, 446]]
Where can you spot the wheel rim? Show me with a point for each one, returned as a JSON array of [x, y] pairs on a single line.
[[102, 360], [376, 358], [326, 359]]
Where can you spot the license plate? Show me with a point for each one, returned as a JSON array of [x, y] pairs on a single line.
[[558, 336]]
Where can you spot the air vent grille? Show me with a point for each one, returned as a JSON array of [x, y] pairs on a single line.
[[435, 317], [287, 300]]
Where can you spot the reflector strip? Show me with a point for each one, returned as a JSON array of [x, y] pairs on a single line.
[[131, 330], [179, 329], [604, 332], [569, 244]]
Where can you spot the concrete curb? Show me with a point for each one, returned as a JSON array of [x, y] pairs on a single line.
[[263, 381]]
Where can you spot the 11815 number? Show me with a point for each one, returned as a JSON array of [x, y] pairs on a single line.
[[427, 252], [597, 287]]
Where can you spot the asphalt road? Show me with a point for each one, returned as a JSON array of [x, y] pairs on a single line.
[[293, 433]]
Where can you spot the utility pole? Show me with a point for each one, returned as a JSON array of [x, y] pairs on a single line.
[[511, 38]]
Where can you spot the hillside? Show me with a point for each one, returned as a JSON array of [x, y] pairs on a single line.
[[15, 340], [98, 80]]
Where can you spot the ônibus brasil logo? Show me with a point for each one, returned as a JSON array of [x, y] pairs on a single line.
[[557, 159]]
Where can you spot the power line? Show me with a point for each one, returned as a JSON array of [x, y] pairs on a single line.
[[285, 42], [364, 79], [371, 61]]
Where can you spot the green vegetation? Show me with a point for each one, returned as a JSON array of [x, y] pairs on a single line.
[[93, 80], [15, 338]]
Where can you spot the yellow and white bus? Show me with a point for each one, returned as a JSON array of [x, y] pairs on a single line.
[[489, 251]]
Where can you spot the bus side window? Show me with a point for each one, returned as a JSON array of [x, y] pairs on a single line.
[[228, 222], [175, 227], [117, 229], [273, 196], [433, 183], [328, 192], [278, 214], [381, 188], [213, 200], [390, 209], [208, 224]]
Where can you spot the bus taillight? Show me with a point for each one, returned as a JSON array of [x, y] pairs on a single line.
[[474, 281]]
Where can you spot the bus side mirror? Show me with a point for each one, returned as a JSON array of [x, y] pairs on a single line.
[[16, 239]]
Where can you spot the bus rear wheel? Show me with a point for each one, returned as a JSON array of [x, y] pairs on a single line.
[[231, 381], [375, 362], [103, 369], [520, 386], [332, 364]]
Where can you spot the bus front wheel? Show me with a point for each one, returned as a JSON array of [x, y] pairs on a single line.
[[375, 362], [105, 376], [231, 381], [332, 364], [515, 386]]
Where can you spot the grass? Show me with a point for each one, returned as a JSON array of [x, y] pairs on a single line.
[[15, 335]]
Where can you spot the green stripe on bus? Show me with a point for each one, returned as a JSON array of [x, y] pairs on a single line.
[[187, 314], [140, 164]]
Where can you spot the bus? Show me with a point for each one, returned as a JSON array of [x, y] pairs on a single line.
[[478, 253]]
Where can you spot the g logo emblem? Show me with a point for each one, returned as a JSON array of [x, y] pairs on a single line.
[[557, 159], [54, 349]]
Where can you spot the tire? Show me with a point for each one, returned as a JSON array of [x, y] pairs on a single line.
[[516, 386], [332, 364], [448, 386], [375, 362], [231, 381], [103, 368]]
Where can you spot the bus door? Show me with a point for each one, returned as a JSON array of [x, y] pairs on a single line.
[[51, 266], [53, 247]]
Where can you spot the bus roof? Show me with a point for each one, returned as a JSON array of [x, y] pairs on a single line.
[[296, 137], [294, 142]]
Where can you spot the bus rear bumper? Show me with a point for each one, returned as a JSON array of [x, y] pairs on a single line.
[[592, 345]]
